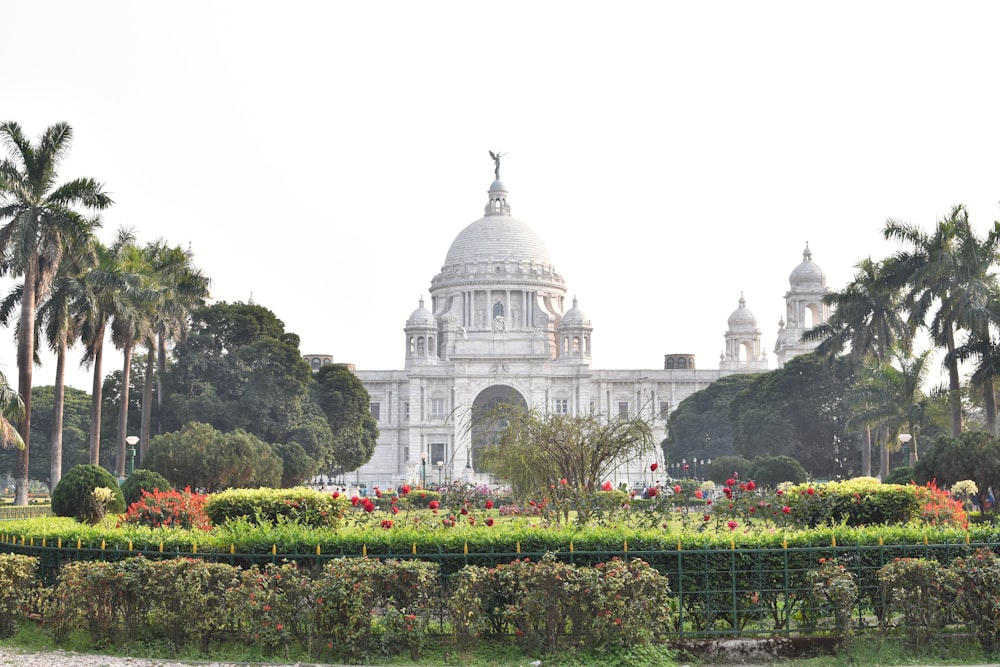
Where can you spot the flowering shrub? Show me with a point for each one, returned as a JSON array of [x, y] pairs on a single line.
[[17, 573], [169, 509], [977, 600], [833, 592], [939, 508], [920, 591]]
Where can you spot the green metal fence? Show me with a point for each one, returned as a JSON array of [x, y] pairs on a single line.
[[719, 592]]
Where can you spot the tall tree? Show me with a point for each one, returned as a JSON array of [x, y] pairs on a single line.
[[347, 406], [132, 324], [950, 282], [40, 217], [105, 286], [889, 396], [183, 288], [867, 321]]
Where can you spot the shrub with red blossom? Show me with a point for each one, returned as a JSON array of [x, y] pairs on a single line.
[[169, 509]]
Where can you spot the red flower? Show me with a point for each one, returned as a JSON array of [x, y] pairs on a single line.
[[677, 488], [786, 509], [730, 482], [387, 523], [654, 466], [698, 494], [355, 500], [732, 525], [606, 486], [336, 494], [464, 511], [368, 505], [810, 491], [405, 489], [781, 492], [395, 510], [563, 481], [489, 521], [751, 485], [489, 504], [652, 491], [433, 504]]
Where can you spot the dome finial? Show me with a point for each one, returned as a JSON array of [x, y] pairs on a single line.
[[807, 253], [496, 163], [743, 302]]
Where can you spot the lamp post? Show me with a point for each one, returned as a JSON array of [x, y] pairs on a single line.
[[904, 440], [132, 442], [440, 466], [423, 470]]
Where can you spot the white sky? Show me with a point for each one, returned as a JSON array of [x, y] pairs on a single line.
[[323, 155]]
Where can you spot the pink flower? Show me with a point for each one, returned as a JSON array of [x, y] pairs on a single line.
[[698, 494], [732, 525], [677, 488], [606, 486], [563, 481]]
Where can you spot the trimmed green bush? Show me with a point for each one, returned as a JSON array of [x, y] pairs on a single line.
[[773, 470], [74, 494], [299, 505], [143, 480], [17, 577], [863, 501]]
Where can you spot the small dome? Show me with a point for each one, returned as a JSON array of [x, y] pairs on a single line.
[[574, 317], [498, 186], [808, 273], [421, 317], [742, 317]]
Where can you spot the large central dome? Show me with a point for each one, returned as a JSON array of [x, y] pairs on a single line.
[[497, 237]]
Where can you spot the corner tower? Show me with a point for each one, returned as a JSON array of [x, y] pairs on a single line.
[[804, 309]]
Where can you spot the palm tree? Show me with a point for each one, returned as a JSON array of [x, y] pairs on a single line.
[[949, 278], [132, 324], [889, 397], [867, 321], [41, 218], [184, 288], [104, 287]]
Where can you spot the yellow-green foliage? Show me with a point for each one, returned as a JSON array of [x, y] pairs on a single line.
[[264, 506], [862, 501], [16, 574]]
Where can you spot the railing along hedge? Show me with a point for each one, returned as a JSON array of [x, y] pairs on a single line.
[[734, 592]]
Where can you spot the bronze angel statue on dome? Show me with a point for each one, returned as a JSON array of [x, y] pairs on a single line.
[[496, 162]]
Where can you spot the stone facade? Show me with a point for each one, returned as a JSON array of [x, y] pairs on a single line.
[[497, 329]]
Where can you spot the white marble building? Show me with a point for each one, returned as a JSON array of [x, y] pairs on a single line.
[[498, 329]]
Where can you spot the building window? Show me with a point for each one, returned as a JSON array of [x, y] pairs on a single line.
[[623, 409], [406, 410], [561, 406], [437, 407], [375, 408], [664, 409], [437, 453]]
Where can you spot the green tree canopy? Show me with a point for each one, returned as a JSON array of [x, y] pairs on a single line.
[[201, 457], [700, 426], [798, 411], [347, 406], [238, 369]]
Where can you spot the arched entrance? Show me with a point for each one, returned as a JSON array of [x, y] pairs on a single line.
[[483, 432]]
